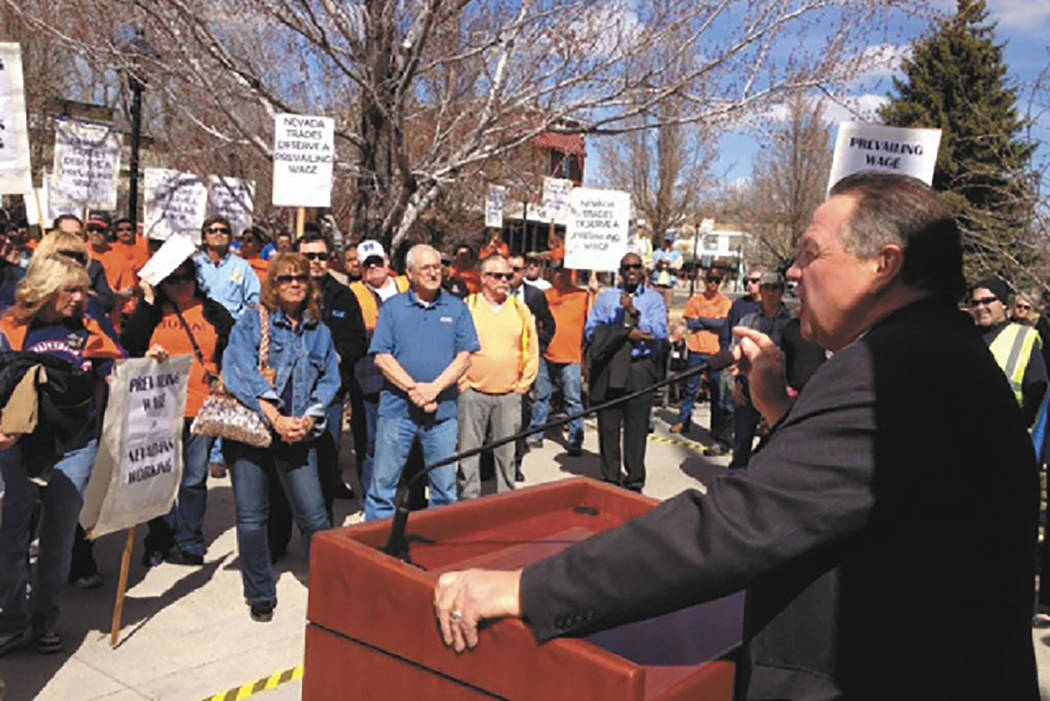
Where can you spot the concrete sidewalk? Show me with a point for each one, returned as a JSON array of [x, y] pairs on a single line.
[[187, 633]]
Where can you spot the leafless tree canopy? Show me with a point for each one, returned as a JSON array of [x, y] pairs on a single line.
[[426, 92]]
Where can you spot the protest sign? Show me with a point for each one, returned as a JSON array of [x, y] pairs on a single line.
[[139, 463], [168, 257], [556, 198], [596, 236], [303, 150], [860, 147], [175, 203], [87, 164], [232, 198], [36, 206], [15, 173], [494, 206], [55, 207]]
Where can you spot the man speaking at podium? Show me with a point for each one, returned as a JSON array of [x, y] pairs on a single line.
[[885, 531]]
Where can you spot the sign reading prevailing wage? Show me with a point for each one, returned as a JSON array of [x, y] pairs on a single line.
[[175, 203], [15, 174], [860, 147], [87, 164], [596, 237], [303, 151], [139, 464]]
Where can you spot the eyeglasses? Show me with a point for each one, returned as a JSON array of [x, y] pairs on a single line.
[[176, 279], [374, 263], [75, 255], [754, 280], [500, 276], [631, 266], [219, 230], [96, 230], [1021, 305], [315, 256], [289, 279], [983, 301], [713, 279], [518, 268], [124, 228]]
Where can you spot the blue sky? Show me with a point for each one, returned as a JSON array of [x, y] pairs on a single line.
[[1023, 25]]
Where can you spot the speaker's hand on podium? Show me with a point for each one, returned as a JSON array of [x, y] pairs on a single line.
[[463, 599]]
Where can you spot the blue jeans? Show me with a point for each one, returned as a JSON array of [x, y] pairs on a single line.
[[60, 500], [185, 522], [394, 437], [371, 419], [295, 467], [571, 378]]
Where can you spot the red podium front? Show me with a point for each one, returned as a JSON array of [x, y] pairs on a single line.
[[371, 631]]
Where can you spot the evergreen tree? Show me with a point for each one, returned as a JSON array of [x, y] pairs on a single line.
[[956, 81]]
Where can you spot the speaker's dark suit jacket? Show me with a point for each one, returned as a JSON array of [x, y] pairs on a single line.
[[885, 533]]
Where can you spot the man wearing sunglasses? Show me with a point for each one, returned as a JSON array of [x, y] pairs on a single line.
[[1016, 348], [884, 534], [625, 331], [225, 277]]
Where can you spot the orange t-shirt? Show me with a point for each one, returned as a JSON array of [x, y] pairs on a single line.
[[172, 336], [470, 278], [569, 310], [136, 254], [557, 253], [700, 306], [260, 266], [117, 267], [488, 250]]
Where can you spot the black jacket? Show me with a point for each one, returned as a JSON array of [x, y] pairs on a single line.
[[64, 404], [536, 301], [885, 534], [100, 286], [341, 312], [139, 328]]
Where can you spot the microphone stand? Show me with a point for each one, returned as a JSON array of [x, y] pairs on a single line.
[[397, 543]]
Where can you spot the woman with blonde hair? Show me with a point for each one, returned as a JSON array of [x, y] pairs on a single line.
[[48, 318], [73, 246], [291, 397]]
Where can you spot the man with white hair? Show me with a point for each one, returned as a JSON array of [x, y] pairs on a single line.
[[419, 394]]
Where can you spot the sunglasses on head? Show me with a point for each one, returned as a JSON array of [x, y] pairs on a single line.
[[983, 301], [219, 230], [500, 276], [289, 279], [315, 256], [75, 255]]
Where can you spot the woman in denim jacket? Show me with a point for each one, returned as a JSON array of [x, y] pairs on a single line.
[[306, 378]]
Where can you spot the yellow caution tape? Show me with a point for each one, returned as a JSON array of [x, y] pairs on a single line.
[[259, 685]]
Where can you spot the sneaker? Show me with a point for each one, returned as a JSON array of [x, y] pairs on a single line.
[[88, 581], [218, 470], [262, 611], [13, 641], [48, 641], [152, 558], [182, 557], [716, 451]]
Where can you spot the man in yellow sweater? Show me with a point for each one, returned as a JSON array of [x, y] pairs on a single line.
[[502, 371]]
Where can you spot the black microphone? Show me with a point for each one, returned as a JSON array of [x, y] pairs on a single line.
[[397, 543]]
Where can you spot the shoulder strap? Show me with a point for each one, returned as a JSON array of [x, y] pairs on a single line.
[[193, 341], [264, 340]]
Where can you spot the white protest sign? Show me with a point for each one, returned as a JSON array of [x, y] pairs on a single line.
[[87, 164], [36, 206], [303, 150], [596, 236], [54, 207], [168, 257], [860, 147], [15, 173], [556, 193], [232, 198], [494, 206], [175, 203], [139, 463]]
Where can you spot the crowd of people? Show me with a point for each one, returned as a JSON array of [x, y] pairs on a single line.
[[446, 353]]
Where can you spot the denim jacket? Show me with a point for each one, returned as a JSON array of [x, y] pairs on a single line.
[[304, 356]]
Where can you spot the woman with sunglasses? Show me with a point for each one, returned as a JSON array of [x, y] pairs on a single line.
[[48, 318], [178, 319], [291, 399]]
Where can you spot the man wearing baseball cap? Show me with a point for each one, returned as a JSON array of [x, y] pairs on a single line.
[[374, 288]]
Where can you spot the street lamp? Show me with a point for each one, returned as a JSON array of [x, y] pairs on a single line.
[[135, 48]]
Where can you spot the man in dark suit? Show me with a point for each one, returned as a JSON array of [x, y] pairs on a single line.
[[884, 533]]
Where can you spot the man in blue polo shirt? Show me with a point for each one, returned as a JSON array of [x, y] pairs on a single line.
[[422, 345]]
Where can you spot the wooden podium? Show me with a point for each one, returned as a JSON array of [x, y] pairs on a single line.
[[371, 631]]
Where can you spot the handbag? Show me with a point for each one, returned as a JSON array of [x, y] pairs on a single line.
[[224, 416]]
